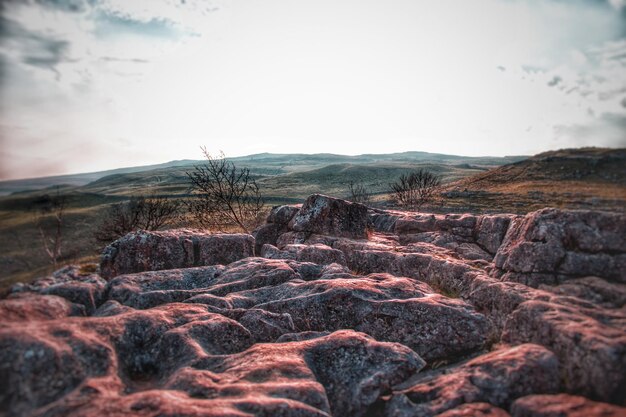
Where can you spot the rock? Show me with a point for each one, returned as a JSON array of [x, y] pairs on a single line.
[[148, 289], [475, 410], [490, 231], [40, 364], [496, 378], [385, 307], [319, 254], [331, 216], [276, 224], [563, 405], [180, 359], [334, 319], [593, 289], [383, 222], [592, 350], [355, 372], [179, 248], [267, 234], [29, 307], [282, 215], [565, 242]]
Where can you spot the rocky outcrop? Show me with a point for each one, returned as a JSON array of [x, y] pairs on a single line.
[[550, 246], [181, 248], [276, 224], [325, 215], [344, 312]]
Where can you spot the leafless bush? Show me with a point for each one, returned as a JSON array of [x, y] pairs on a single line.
[[358, 193], [224, 196], [49, 212], [145, 213], [415, 189]]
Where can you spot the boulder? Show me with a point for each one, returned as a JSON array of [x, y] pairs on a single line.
[[170, 249], [331, 216]]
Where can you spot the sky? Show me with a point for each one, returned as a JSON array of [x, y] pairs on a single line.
[[88, 85]]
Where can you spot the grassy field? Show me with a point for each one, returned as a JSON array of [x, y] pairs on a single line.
[[571, 179]]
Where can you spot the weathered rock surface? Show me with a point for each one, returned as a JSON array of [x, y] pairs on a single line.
[[496, 378], [331, 216], [563, 405], [347, 312], [180, 248], [564, 243]]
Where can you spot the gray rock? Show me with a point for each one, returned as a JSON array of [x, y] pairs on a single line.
[[331, 216], [179, 248], [496, 378]]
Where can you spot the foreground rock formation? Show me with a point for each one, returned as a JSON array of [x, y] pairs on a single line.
[[332, 309]]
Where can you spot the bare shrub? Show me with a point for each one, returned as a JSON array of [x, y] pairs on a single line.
[[145, 213], [224, 196], [49, 216], [358, 193], [415, 189]]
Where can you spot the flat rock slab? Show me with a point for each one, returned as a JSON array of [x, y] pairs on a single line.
[[178, 248]]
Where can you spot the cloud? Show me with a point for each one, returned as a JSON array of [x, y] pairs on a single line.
[[34, 49], [554, 81], [110, 24], [607, 130]]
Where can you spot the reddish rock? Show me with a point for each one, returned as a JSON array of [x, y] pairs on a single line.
[[592, 289], [565, 242], [475, 410], [490, 231], [29, 307], [180, 248], [590, 343], [319, 254], [331, 216], [385, 307], [276, 224], [496, 378], [563, 405]]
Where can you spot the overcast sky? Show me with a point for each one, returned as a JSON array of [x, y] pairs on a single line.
[[88, 85]]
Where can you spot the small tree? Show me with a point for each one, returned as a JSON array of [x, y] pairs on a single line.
[[224, 195], [152, 213], [415, 189], [358, 193], [49, 213]]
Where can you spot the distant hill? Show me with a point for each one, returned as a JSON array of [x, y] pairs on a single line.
[[264, 164], [568, 178], [77, 180], [582, 165]]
